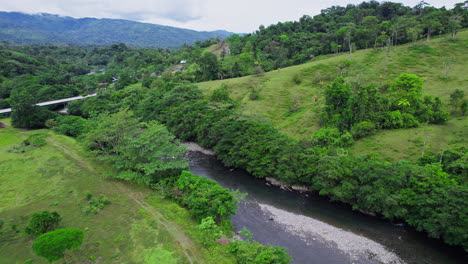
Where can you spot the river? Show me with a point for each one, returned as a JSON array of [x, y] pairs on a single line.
[[315, 230]]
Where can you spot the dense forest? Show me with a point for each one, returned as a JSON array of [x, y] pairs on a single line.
[[143, 94]]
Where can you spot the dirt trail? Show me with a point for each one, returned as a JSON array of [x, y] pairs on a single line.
[[173, 229]]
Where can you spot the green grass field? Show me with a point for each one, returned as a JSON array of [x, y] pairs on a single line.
[[138, 226], [291, 98]]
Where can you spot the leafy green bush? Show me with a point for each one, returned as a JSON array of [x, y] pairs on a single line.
[[252, 252], [220, 94], [36, 140], [363, 129], [52, 245], [73, 126], [204, 197], [331, 137], [42, 222]]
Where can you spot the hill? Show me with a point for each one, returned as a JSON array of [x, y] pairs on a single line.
[[292, 98], [47, 28]]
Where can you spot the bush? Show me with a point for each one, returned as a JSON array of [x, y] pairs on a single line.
[[331, 137], [73, 126], [220, 94], [363, 129], [247, 252], [52, 245], [297, 79], [42, 222], [409, 120], [36, 140], [204, 197]]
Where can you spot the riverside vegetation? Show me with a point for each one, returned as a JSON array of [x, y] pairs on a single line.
[[339, 101]]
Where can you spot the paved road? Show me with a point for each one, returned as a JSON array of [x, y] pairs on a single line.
[[8, 110]]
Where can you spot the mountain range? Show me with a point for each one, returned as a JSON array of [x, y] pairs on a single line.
[[19, 28]]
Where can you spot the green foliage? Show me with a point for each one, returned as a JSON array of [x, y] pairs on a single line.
[[42, 222], [209, 231], [52, 245], [248, 252], [36, 140], [24, 113], [453, 161], [142, 152], [73, 126], [331, 137], [95, 204], [204, 198], [402, 107], [458, 101], [363, 129], [220, 94]]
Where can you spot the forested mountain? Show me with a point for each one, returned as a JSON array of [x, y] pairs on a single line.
[[46, 28]]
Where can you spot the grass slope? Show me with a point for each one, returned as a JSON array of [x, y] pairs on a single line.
[[138, 225], [291, 98]]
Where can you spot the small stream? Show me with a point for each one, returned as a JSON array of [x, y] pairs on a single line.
[[316, 230]]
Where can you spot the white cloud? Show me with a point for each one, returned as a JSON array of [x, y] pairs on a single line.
[[237, 15]]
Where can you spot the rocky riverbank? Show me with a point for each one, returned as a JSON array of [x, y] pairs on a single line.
[[355, 246]]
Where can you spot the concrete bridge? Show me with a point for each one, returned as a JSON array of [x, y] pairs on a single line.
[[64, 100]]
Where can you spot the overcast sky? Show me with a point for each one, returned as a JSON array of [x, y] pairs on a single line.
[[242, 16]]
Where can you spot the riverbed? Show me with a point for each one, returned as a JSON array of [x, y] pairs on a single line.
[[315, 230]]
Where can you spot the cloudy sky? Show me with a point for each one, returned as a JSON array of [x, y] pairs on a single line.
[[236, 15]]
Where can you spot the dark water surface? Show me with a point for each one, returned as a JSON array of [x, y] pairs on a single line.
[[412, 247]]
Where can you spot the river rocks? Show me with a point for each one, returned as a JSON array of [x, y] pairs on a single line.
[[223, 241], [355, 246], [274, 182], [192, 146]]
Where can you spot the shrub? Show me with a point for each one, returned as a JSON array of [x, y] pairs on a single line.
[[36, 140], [95, 204], [52, 245], [220, 94], [363, 129], [204, 197], [331, 136], [42, 222], [71, 125], [297, 79]]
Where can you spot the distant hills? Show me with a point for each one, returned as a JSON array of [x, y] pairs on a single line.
[[20, 28]]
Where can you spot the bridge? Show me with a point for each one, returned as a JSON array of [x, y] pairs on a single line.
[[64, 100]]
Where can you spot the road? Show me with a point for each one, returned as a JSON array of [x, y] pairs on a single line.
[[64, 100]]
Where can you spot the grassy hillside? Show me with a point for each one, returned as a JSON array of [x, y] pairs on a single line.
[[138, 226], [292, 98]]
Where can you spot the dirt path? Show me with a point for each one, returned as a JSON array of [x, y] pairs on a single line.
[[173, 229]]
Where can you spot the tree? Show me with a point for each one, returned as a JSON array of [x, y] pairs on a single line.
[[455, 22], [142, 152], [209, 65], [432, 23], [42, 222], [52, 245], [407, 87], [457, 101], [25, 114]]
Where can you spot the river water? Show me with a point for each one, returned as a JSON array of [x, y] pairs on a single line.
[[317, 231]]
